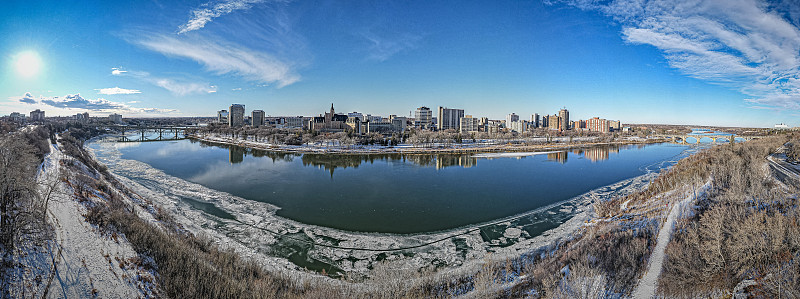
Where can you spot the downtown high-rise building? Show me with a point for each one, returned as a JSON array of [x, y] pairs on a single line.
[[535, 120], [449, 118], [510, 118], [563, 114], [423, 118], [236, 115], [257, 118]]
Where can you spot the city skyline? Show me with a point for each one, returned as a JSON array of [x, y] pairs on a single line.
[[725, 63]]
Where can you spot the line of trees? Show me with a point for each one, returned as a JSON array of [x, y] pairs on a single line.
[[415, 137], [23, 199]]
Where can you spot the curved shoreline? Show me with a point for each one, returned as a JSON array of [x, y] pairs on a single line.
[[451, 148]]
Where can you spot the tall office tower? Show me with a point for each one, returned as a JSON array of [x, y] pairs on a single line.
[[564, 115], [423, 118], [449, 118], [511, 118], [236, 115], [535, 120], [257, 118]]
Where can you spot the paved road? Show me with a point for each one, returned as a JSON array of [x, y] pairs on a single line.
[[784, 171]]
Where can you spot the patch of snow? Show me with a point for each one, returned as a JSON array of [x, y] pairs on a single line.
[[512, 233], [624, 206]]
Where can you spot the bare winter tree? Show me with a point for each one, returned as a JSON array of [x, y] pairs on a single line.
[[18, 189]]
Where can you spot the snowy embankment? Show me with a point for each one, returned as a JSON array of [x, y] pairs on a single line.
[[87, 263], [647, 285]]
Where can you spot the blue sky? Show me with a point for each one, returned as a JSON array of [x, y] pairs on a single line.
[[730, 63]]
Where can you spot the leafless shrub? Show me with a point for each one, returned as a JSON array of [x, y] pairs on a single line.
[[582, 281]]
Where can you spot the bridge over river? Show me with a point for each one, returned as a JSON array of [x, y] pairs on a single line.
[[698, 134], [150, 133]]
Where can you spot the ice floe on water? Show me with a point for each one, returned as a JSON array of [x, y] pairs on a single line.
[[253, 228]]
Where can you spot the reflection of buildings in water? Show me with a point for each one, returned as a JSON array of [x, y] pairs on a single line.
[[330, 162], [275, 156], [560, 157], [421, 159], [599, 153], [465, 161], [235, 154], [596, 154]]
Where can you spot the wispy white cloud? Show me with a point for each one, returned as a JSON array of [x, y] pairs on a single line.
[[225, 58], [179, 87], [183, 88], [209, 11], [748, 45], [117, 71], [117, 90], [76, 101], [382, 48]]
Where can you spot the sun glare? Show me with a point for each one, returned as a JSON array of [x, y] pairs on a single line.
[[28, 64]]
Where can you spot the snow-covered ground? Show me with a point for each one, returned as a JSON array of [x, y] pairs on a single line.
[[87, 262]]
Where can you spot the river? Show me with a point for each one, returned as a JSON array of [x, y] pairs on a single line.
[[397, 200]]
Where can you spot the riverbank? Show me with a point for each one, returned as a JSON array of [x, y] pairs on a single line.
[[539, 144]]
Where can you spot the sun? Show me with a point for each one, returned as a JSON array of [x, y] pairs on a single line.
[[28, 64]]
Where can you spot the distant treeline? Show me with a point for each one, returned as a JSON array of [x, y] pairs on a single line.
[[284, 136]]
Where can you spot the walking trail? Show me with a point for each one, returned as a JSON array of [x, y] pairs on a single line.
[[647, 285], [87, 263]]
